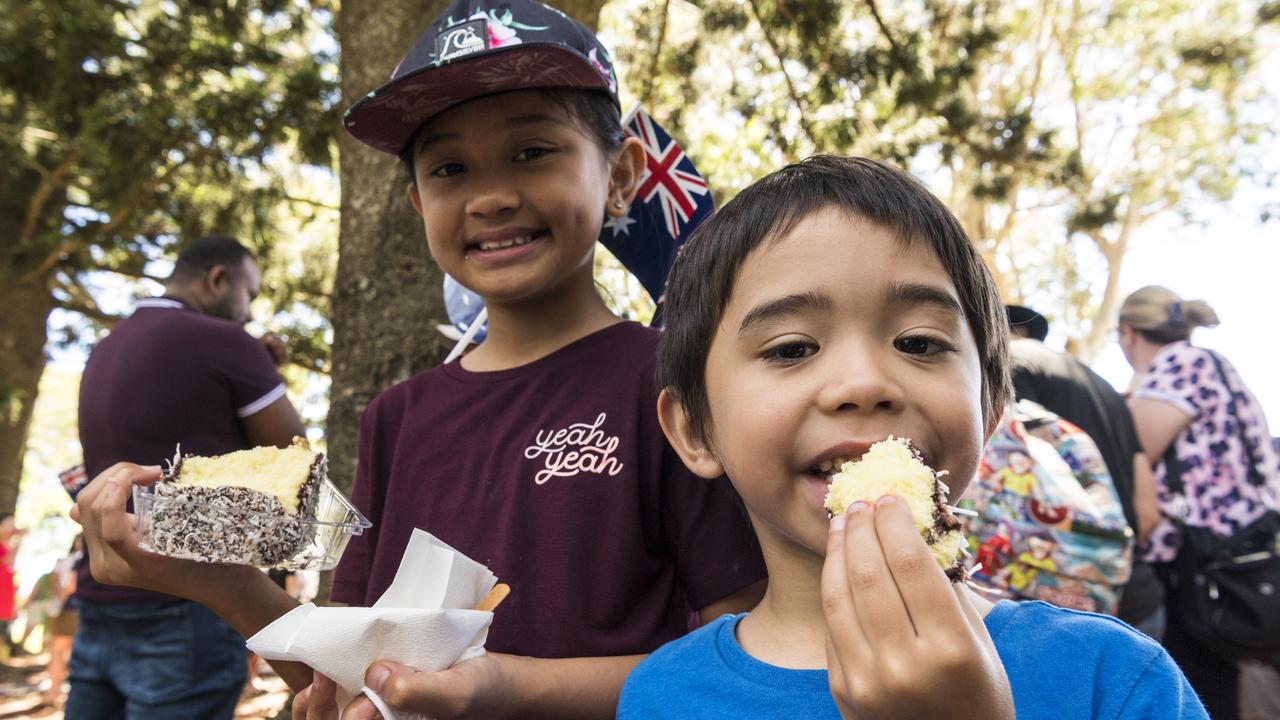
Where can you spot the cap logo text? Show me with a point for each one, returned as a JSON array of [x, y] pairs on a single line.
[[462, 39]]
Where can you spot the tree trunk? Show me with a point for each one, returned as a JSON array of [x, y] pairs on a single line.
[[387, 294], [26, 304], [1109, 309]]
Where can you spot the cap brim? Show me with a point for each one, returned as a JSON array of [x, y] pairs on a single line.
[[386, 118]]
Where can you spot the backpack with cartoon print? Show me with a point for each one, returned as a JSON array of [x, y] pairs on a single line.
[[1049, 524]]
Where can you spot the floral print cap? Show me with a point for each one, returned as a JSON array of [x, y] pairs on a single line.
[[476, 49]]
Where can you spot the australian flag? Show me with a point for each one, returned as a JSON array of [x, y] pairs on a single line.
[[672, 200]]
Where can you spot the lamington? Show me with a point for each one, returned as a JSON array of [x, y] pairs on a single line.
[[893, 467], [250, 507]]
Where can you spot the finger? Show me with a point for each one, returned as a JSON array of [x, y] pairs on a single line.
[[922, 585], [323, 703], [973, 615], [881, 612], [436, 694], [362, 708], [300, 702], [843, 629]]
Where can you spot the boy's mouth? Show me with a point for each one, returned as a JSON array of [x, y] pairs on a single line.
[[827, 468]]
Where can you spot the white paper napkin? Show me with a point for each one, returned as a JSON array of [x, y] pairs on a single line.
[[424, 620]]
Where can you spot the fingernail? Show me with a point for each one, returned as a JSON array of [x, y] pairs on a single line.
[[377, 676], [837, 522], [857, 507], [887, 499]]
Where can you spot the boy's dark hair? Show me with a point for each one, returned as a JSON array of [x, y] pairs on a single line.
[[703, 275], [207, 252], [594, 111]]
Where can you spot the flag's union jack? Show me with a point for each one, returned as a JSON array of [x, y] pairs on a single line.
[[672, 200], [668, 174]]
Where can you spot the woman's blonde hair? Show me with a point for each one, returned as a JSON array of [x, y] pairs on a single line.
[[1160, 315]]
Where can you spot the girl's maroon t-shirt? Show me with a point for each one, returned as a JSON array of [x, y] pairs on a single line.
[[556, 475]]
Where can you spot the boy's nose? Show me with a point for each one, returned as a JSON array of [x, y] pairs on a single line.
[[864, 385]]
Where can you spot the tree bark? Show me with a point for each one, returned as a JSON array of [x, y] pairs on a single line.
[[26, 303]]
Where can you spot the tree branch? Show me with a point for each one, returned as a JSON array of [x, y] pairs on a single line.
[[884, 29], [43, 191], [791, 88], [657, 53], [312, 203], [92, 312]]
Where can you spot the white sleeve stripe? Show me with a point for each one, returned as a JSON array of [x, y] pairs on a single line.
[[261, 402]]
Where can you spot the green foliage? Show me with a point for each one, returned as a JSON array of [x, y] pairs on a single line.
[[1053, 130], [129, 125]]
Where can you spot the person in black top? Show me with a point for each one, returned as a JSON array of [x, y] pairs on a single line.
[[1067, 387]]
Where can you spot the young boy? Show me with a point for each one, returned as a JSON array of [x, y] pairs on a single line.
[[828, 306]]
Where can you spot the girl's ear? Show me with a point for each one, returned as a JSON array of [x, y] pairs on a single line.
[[624, 180], [414, 198], [689, 445]]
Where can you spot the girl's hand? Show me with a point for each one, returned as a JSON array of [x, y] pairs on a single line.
[[902, 641], [111, 540], [479, 688]]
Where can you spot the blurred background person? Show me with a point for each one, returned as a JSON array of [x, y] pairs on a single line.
[[1184, 413], [63, 620], [10, 537], [181, 370], [1068, 388]]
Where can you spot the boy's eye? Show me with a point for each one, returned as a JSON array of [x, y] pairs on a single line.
[[446, 170], [532, 153], [921, 345], [789, 352]]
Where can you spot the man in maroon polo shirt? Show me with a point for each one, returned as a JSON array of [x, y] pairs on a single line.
[[180, 370]]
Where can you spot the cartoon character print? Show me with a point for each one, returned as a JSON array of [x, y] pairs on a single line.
[[1036, 558], [1018, 476], [996, 551]]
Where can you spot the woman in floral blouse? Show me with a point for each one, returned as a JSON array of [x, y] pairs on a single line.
[[1216, 428]]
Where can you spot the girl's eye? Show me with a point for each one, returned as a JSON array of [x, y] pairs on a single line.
[[532, 153], [921, 345], [789, 352], [447, 170]]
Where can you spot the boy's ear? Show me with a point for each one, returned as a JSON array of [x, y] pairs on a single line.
[[688, 444], [624, 180], [414, 198]]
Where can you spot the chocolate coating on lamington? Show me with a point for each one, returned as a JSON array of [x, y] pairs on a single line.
[[233, 524]]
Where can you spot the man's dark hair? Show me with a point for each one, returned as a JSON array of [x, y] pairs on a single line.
[[207, 252], [594, 111], [704, 273]]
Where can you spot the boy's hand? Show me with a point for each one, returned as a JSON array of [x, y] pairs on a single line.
[[111, 539], [902, 642]]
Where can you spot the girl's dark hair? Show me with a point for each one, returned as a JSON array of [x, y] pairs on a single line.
[[706, 268], [594, 111]]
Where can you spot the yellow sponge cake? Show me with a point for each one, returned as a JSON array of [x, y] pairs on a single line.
[[893, 467], [247, 507]]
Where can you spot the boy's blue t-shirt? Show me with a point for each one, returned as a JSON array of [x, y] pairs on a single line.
[[1062, 664]]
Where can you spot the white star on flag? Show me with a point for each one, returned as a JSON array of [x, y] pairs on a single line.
[[621, 224]]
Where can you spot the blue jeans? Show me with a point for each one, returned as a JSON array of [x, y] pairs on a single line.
[[173, 661]]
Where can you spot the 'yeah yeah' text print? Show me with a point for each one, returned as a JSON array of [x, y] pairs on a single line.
[[579, 448]]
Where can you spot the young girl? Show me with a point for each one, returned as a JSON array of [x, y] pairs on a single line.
[[538, 454]]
